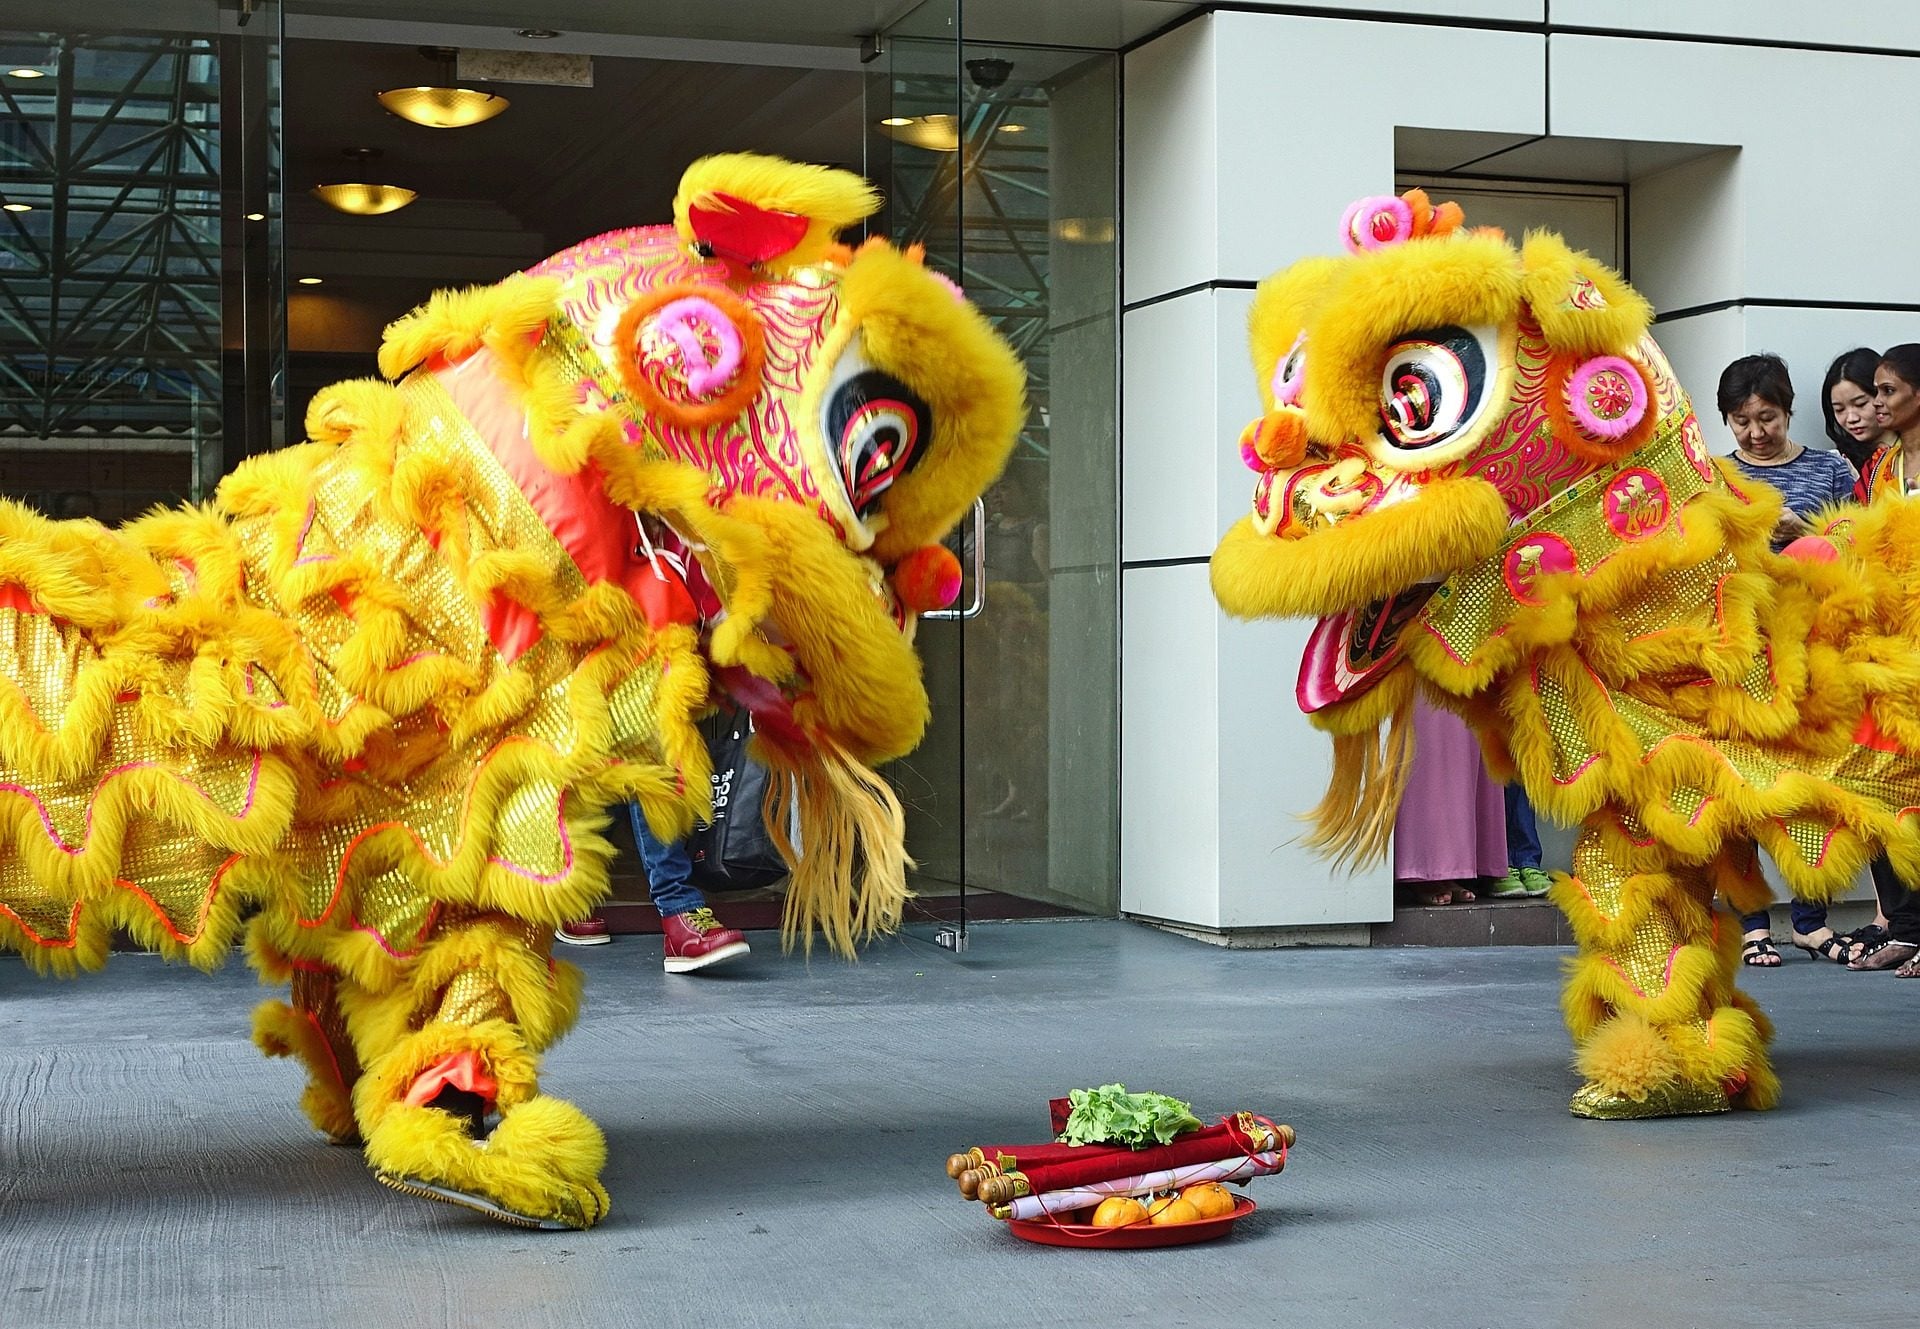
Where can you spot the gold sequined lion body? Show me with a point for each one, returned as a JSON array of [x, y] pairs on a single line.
[[1477, 469], [380, 693]]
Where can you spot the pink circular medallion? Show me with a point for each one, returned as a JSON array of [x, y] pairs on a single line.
[[1540, 555], [1637, 504], [1607, 396]]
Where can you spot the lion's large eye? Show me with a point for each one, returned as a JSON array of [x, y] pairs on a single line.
[[1290, 374], [876, 428], [1434, 384]]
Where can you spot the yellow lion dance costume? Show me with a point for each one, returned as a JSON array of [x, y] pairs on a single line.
[[381, 690], [1476, 467]]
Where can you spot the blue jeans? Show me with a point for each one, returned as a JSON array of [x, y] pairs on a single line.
[[1808, 918], [669, 870], [1523, 835]]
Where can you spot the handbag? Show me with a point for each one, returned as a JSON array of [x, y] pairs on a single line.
[[733, 852]]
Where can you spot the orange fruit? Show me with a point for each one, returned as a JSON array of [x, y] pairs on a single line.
[[1212, 1199], [1119, 1211], [1180, 1211], [1159, 1202]]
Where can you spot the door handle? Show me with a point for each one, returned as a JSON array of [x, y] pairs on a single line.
[[979, 600]]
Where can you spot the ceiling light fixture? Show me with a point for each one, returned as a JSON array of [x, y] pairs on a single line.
[[443, 105], [364, 200], [1013, 129], [256, 216], [360, 198], [17, 207], [309, 281], [26, 73], [935, 133], [443, 108]]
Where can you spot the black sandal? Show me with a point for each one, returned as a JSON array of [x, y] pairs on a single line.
[[1868, 937], [1836, 948], [1755, 954]]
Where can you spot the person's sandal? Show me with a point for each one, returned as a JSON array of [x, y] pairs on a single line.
[[1760, 953], [1911, 969], [1834, 948], [1888, 954], [1868, 937]]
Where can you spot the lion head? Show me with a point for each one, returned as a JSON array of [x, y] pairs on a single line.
[[1423, 394]]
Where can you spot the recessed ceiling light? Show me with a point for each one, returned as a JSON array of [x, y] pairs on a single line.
[[1013, 129], [936, 133], [536, 34], [26, 73], [443, 108], [309, 281], [17, 207], [256, 216]]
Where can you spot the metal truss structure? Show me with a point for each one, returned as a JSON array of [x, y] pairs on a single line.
[[111, 281]]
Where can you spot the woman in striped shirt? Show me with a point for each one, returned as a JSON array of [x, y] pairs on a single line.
[[1756, 401]]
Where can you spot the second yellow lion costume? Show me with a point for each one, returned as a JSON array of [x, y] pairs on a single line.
[[1477, 468], [381, 691]]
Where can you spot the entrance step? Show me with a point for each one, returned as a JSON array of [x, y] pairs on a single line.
[[1482, 923]]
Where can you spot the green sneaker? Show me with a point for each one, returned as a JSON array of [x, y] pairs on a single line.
[[1537, 882], [1513, 886]]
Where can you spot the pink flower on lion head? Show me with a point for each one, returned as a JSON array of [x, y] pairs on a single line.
[[1381, 220]]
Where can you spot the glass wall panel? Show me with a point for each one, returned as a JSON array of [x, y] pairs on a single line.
[[125, 178]]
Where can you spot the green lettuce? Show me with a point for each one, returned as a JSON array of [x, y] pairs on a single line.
[[1111, 1115]]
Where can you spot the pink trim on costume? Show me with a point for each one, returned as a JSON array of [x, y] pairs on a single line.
[[46, 819], [346, 857], [301, 558], [1614, 965], [1826, 841], [566, 852]]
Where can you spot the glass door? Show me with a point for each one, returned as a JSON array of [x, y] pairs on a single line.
[[913, 119], [1003, 161]]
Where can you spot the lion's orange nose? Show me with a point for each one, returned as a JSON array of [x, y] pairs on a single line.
[[1276, 441]]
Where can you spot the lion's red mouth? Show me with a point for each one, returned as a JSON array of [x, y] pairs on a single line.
[[1352, 650]]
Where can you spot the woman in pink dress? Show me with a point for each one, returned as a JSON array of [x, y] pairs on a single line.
[[1452, 827]]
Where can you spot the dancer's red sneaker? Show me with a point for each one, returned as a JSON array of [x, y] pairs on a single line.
[[695, 940]]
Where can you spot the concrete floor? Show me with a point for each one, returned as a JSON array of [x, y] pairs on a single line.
[[778, 1133]]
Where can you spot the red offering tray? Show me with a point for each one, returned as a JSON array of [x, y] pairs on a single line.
[[1133, 1237]]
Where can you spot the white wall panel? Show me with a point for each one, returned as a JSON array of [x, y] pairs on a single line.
[[1876, 23], [1169, 750], [1810, 212], [1274, 766], [1686, 233], [1308, 108], [1170, 422], [1169, 138]]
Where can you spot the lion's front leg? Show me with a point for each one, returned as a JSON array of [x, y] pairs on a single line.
[[449, 1103], [1657, 1026]]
